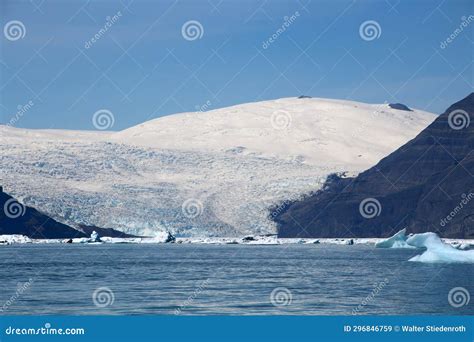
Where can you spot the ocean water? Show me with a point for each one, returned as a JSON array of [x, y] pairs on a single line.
[[225, 279]]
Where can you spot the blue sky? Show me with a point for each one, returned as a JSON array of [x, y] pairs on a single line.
[[142, 67]]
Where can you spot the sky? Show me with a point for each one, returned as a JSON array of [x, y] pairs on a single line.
[[155, 58]]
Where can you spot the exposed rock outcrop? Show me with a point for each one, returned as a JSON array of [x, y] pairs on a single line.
[[16, 218], [426, 185]]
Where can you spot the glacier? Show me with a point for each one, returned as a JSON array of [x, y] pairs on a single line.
[[202, 174]]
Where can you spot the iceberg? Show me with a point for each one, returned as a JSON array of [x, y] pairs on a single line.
[[396, 241], [461, 246], [95, 237], [437, 251], [14, 238]]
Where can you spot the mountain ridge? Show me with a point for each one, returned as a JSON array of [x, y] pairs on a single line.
[[417, 186], [16, 218]]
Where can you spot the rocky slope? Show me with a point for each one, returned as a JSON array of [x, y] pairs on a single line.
[[426, 185], [16, 218]]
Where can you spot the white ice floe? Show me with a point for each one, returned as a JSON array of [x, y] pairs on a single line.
[[263, 240], [14, 238], [461, 246], [437, 251], [159, 237], [108, 239], [396, 241], [163, 237], [93, 239]]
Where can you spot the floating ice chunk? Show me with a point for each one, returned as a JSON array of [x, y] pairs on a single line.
[[396, 241], [107, 239], [461, 246], [14, 238], [437, 250], [80, 240], [95, 237], [263, 240]]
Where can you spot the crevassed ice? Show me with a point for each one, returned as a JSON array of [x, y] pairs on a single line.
[[231, 163]]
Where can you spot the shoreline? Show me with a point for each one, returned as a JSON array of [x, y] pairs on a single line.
[[21, 239]]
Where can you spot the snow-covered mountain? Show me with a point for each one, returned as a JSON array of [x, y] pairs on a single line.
[[212, 173]]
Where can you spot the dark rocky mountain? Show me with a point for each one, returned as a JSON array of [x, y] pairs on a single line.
[[16, 218], [426, 185]]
